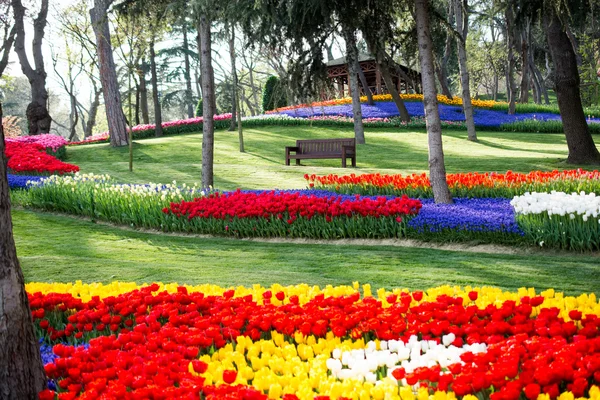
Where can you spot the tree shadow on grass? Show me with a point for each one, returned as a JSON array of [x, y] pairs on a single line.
[[511, 148]]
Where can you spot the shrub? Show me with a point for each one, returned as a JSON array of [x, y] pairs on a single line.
[[273, 94], [199, 108]]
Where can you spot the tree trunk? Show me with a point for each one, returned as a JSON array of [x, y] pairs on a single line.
[[254, 92], [187, 72], [21, 371], [462, 26], [443, 80], [384, 67], [524, 95], [541, 82], [437, 168], [510, 72], [93, 113], [155, 99], [108, 75], [234, 83], [38, 118], [351, 61], [137, 103], [582, 149], [208, 103], [442, 67], [73, 116], [144, 93], [239, 125], [364, 84]]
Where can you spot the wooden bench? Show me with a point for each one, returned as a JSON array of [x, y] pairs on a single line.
[[322, 148]]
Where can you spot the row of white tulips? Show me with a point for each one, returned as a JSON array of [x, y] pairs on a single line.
[[364, 364], [558, 219]]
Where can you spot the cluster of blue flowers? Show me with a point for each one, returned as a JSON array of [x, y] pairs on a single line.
[[387, 109], [20, 181], [473, 215], [465, 215]]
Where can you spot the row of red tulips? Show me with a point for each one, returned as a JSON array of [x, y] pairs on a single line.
[[33, 158], [291, 214], [470, 184]]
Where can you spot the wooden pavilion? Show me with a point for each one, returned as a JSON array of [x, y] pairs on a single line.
[[337, 71]]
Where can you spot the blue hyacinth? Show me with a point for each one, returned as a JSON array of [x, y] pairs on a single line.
[[20, 181], [387, 109]]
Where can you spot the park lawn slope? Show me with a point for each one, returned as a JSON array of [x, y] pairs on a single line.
[[55, 248], [179, 158]]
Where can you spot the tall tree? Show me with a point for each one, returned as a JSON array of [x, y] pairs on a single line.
[[511, 90], [208, 98], [75, 66], [38, 118], [21, 371], [142, 71], [461, 12], [582, 149], [117, 127], [155, 91], [352, 64], [437, 168], [189, 98], [75, 24]]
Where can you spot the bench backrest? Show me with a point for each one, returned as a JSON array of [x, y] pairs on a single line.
[[324, 146]]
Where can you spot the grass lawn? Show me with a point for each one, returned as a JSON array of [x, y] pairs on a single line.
[[61, 249], [262, 166], [58, 248]]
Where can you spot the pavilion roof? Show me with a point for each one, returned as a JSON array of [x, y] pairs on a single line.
[[342, 60]]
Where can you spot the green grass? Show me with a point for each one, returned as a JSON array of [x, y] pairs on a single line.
[[262, 165], [61, 249], [58, 248]]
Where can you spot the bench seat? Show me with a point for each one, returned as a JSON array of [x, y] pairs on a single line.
[[322, 149]]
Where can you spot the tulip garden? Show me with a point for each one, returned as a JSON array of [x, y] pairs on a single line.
[[125, 340]]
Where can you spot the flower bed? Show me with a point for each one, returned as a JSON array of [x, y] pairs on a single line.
[[472, 184], [407, 97], [49, 141], [303, 342], [100, 197], [479, 220], [485, 118], [558, 219], [176, 127], [281, 214], [31, 157]]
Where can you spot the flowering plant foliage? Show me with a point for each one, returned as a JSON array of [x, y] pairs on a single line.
[[292, 214], [101, 197], [471, 184], [303, 342], [558, 219], [32, 157]]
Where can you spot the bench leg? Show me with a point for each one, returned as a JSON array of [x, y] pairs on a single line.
[[287, 160], [343, 162], [354, 161], [297, 161]]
